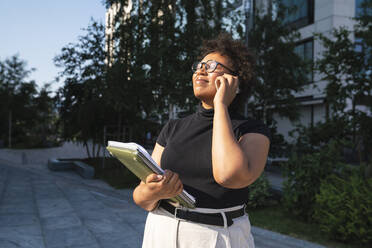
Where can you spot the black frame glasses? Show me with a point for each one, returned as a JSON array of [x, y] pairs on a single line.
[[210, 66]]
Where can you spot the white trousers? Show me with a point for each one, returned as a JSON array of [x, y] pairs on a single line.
[[163, 230]]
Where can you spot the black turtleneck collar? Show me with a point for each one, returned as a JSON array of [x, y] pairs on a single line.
[[209, 113], [205, 113]]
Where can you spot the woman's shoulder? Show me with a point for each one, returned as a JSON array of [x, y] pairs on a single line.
[[184, 119], [242, 125], [237, 120]]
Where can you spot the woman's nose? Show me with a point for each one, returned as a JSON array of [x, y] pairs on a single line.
[[202, 70]]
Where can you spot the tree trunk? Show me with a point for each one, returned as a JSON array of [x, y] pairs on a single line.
[[353, 116], [119, 126], [98, 150], [87, 148], [10, 129], [93, 148]]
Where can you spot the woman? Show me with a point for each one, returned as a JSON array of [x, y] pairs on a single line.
[[214, 154]]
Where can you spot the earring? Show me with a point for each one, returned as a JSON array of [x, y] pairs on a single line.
[[237, 90]]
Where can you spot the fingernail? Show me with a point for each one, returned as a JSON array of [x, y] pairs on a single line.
[[159, 176]]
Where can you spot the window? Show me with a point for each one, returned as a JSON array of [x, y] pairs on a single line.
[[359, 10], [366, 52], [300, 12], [305, 49]]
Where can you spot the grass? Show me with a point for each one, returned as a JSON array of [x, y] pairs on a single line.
[[277, 219]]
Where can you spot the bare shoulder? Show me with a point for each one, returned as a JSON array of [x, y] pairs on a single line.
[[256, 147], [254, 139]]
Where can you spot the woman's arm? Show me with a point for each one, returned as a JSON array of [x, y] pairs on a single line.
[[235, 164], [147, 194]]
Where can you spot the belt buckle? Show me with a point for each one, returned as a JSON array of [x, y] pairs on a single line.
[[176, 212]]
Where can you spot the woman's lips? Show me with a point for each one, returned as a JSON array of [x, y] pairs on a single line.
[[201, 81]]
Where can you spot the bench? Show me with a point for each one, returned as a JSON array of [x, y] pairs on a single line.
[[84, 170]]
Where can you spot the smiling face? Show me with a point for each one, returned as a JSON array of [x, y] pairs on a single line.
[[203, 82]]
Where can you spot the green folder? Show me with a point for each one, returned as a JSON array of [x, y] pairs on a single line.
[[140, 163]]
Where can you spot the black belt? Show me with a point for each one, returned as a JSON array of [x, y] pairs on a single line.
[[203, 218]]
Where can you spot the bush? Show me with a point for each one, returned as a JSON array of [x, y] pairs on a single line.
[[259, 192], [313, 138], [304, 174], [344, 208], [114, 173]]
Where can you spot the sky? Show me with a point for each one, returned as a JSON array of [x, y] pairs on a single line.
[[37, 30]]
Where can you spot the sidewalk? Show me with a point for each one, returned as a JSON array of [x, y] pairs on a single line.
[[44, 209]]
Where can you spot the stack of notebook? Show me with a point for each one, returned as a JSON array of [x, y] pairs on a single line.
[[140, 163]]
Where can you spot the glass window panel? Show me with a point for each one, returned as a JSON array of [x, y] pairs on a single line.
[[309, 50], [359, 10], [302, 9], [299, 13], [358, 7], [305, 51], [299, 49]]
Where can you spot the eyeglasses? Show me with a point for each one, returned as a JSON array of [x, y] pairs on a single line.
[[210, 66]]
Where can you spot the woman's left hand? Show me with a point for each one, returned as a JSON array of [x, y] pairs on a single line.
[[227, 87]]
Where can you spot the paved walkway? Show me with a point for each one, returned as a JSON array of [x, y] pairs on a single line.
[[41, 155], [40, 208]]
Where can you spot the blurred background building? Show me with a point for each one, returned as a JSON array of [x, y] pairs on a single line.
[[309, 17]]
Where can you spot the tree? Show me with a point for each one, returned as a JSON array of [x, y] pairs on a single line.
[[280, 72], [81, 101], [156, 48], [16, 99], [346, 64], [27, 112], [46, 118]]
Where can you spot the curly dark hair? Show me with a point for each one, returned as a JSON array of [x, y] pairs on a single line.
[[242, 60]]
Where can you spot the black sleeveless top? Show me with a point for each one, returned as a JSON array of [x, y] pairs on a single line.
[[188, 152]]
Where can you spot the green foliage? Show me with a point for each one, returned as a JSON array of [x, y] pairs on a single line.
[[346, 64], [27, 113], [147, 69], [310, 139], [114, 173], [279, 147], [163, 39], [343, 208], [304, 175], [81, 102], [259, 192], [281, 73]]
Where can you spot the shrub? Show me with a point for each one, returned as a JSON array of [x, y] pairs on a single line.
[[114, 173], [259, 192], [344, 208], [304, 174]]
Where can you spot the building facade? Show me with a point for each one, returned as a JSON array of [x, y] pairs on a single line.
[[312, 16]]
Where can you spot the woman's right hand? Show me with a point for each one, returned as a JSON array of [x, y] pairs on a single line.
[[164, 186]]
